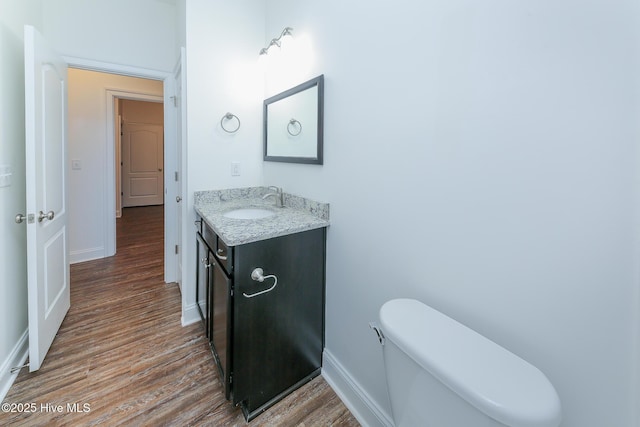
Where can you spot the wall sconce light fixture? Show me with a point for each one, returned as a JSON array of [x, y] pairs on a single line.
[[284, 38]]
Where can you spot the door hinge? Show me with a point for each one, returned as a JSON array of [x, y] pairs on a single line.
[[17, 368], [176, 175], [174, 99], [177, 250]]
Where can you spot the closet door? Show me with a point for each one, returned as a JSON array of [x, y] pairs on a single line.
[[142, 165]]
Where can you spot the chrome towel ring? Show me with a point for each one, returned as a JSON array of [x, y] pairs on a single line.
[[227, 117], [293, 124]]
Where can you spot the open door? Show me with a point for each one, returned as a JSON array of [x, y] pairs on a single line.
[[46, 147]]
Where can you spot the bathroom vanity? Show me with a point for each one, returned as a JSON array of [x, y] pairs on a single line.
[[260, 291]]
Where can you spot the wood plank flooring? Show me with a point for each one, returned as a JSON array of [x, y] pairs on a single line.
[[121, 356]]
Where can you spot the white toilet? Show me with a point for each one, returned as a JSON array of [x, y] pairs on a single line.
[[442, 374]]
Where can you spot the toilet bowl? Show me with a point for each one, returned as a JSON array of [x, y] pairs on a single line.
[[440, 373]]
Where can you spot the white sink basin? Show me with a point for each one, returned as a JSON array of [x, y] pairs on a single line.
[[249, 213]]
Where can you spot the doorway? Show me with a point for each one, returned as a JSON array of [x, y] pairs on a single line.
[[94, 152]]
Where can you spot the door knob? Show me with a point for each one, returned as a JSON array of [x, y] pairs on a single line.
[[49, 215], [178, 199], [20, 218]]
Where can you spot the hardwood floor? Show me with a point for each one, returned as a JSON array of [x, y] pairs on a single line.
[[121, 356]]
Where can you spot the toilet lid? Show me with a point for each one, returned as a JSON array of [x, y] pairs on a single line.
[[489, 377]]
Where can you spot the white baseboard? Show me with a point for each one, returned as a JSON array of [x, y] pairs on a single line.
[[17, 357], [86, 255], [190, 314], [358, 401]]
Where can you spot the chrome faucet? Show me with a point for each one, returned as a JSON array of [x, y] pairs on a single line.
[[278, 195]]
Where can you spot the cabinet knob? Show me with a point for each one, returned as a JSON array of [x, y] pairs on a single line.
[[221, 254]]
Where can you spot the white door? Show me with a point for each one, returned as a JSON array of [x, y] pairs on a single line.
[[142, 165], [46, 149]]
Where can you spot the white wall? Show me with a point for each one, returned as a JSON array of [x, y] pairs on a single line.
[[481, 157], [88, 143], [139, 33], [181, 26], [222, 42], [13, 267]]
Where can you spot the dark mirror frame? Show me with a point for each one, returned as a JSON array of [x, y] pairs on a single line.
[[317, 81]]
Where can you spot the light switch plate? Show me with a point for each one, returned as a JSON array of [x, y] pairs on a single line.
[[6, 175], [235, 168]]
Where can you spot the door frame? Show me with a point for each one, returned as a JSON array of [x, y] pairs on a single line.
[[170, 144], [112, 117], [180, 231]]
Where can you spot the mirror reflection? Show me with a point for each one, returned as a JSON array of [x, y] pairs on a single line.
[[293, 124]]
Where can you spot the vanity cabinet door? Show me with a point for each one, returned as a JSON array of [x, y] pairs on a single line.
[[278, 336], [221, 323], [202, 283]]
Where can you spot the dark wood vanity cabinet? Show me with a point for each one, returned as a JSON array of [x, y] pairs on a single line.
[[266, 344]]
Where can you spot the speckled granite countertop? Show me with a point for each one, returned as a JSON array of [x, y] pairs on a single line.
[[298, 214]]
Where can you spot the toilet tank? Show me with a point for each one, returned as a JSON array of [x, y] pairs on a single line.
[[448, 365]]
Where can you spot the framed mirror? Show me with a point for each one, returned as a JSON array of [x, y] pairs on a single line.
[[293, 123]]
